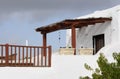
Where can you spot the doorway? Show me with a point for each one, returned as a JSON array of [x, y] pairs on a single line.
[[98, 42]]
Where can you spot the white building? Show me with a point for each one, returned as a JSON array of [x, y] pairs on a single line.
[[72, 66], [100, 34]]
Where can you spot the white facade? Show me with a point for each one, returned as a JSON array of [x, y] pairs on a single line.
[[110, 29]]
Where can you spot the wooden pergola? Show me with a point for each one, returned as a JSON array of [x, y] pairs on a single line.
[[69, 24]]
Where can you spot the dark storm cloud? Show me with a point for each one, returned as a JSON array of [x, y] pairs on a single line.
[[44, 9], [16, 5]]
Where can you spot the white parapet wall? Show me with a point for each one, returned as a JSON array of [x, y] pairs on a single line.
[[86, 51], [66, 51], [63, 67], [80, 51]]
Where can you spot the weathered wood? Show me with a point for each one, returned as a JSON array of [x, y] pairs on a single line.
[[19, 55], [37, 56], [34, 56], [10, 57], [49, 56], [30, 55], [24, 56], [15, 54], [1, 54], [27, 55], [65, 24], [73, 39], [7, 54], [42, 57], [18, 64], [44, 43], [11, 54]]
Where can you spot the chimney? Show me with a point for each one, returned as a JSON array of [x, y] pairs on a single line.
[[26, 42]]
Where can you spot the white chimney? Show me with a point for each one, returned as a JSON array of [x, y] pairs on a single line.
[[26, 42]]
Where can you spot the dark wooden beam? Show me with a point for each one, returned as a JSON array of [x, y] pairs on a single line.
[[88, 19], [67, 23]]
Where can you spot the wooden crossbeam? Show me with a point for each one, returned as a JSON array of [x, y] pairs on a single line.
[[66, 24]]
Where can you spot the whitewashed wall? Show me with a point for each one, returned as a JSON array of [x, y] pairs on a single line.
[[85, 34], [115, 26], [118, 12], [111, 30]]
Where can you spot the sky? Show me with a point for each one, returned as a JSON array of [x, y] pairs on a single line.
[[20, 18]]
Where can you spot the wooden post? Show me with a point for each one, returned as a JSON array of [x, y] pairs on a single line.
[[50, 54], [44, 44], [7, 54], [73, 39]]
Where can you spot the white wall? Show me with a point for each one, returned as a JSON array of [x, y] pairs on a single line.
[[115, 27], [111, 30], [85, 34], [118, 12], [63, 67]]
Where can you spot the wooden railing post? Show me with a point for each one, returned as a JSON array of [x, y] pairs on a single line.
[[7, 53]]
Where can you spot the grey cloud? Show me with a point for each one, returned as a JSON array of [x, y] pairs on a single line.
[[40, 10], [11, 5]]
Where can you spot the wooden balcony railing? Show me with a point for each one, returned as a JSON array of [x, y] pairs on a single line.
[[25, 56]]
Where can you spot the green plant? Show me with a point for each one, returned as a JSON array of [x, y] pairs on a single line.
[[106, 70]]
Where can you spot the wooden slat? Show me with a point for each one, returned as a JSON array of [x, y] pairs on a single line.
[[37, 56], [7, 53], [30, 54], [1, 54], [11, 54], [22, 54], [34, 56], [19, 55], [42, 57], [15, 54], [26, 54], [45, 57]]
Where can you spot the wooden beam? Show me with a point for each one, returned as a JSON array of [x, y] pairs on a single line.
[[67, 23], [88, 19]]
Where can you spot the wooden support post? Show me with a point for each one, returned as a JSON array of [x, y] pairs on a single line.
[[49, 57], [73, 39], [44, 44]]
